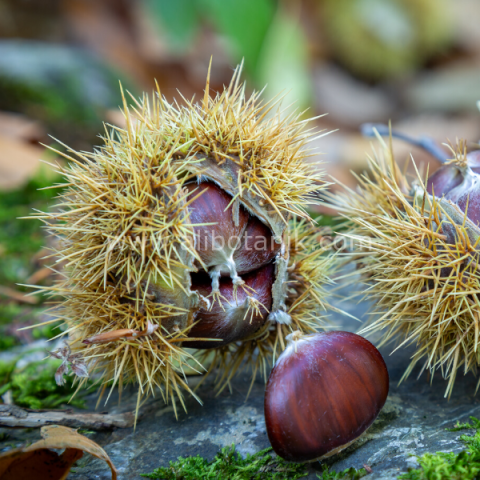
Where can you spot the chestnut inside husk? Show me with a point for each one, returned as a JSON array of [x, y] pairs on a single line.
[[237, 314], [235, 267], [325, 390]]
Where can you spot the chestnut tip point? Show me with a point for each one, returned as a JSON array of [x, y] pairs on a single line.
[[279, 316], [237, 281], [323, 393], [294, 336]]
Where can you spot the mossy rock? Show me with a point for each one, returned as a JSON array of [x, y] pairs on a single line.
[[33, 386]]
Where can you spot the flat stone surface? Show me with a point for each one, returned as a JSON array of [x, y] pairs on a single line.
[[413, 421]]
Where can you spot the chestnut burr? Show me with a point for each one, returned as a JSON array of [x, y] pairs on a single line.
[[176, 213], [325, 390]]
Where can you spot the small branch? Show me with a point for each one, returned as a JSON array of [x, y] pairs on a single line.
[[426, 143], [122, 333], [16, 417]]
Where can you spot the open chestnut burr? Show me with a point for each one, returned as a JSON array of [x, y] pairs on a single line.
[[323, 393], [190, 228]]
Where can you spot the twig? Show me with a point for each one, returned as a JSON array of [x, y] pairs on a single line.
[[18, 296], [16, 417], [426, 143]]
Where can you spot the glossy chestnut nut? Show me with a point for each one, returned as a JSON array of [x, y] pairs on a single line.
[[217, 234], [257, 247], [460, 184], [230, 248], [445, 179], [243, 310], [325, 390]]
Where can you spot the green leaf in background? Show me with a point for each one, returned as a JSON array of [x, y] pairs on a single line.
[[177, 18], [283, 63], [244, 22]]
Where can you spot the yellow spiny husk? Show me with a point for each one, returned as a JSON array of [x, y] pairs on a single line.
[[424, 286], [127, 246]]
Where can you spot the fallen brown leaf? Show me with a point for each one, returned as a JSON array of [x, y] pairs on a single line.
[[39, 275], [103, 28], [18, 162], [39, 462], [17, 126]]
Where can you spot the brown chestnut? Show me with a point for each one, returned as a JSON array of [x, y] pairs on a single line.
[[257, 247], [227, 246], [217, 232], [324, 391], [239, 311], [444, 180], [460, 184]]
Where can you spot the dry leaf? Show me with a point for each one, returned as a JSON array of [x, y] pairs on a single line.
[[39, 462], [18, 162], [20, 127]]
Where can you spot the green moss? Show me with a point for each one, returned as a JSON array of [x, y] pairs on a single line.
[[9, 312], [39, 100], [347, 474], [229, 464], [7, 341], [6, 370], [34, 385], [21, 239], [451, 466], [47, 331]]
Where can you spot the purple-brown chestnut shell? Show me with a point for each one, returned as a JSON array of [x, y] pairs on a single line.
[[229, 318], [325, 390]]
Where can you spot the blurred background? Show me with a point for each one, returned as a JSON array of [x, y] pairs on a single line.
[[414, 62]]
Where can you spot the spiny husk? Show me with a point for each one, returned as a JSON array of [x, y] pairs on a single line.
[[126, 243], [418, 254], [311, 267]]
